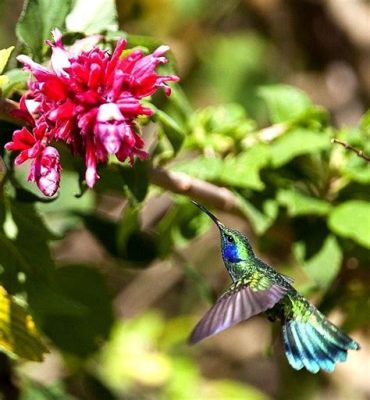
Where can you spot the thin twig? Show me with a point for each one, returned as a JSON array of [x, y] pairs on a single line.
[[205, 192], [347, 146]]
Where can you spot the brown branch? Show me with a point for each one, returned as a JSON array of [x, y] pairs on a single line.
[[347, 146], [204, 192]]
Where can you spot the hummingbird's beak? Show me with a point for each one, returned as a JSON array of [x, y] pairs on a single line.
[[213, 217]]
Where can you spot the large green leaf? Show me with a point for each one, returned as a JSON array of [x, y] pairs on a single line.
[[241, 171], [37, 20], [298, 203], [206, 168], [351, 219], [98, 16], [284, 102], [324, 266], [84, 333], [297, 142]]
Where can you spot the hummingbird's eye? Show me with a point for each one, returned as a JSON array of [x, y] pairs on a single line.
[[230, 239]]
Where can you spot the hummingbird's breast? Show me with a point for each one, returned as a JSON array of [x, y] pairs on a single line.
[[238, 269]]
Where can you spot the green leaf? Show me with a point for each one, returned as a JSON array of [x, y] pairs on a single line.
[[365, 123], [81, 334], [129, 224], [205, 168], [181, 223], [229, 389], [133, 244], [219, 127], [32, 240], [260, 221], [297, 142], [232, 67], [136, 178], [284, 102], [324, 266], [124, 240], [300, 204], [357, 169], [4, 57], [351, 219], [37, 20], [16, 80], [243, 170], [173, 131], [36, 391], [61, 214], [12, 263], [18, 334], [98, 16]]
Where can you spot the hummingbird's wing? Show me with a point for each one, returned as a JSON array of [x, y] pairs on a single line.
[[244, 299]]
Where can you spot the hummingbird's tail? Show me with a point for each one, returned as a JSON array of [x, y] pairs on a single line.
[[315, 342]]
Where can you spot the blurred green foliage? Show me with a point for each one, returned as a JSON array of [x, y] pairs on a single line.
[[230, 124]]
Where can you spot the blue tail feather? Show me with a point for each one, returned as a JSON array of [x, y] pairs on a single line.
[[303, 345], [291, 349], [315, 344]]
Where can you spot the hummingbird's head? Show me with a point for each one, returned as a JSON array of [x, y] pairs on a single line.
[[235, 246]]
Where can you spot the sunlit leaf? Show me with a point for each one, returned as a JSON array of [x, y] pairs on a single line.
[[98, 15], [284, 102], [227, 389], [135, 342], [297, 142], [324, 266], [4, 57], [206, 168], [16, 79], [300, 204], [243, 170], [18, 334], [351, 219]]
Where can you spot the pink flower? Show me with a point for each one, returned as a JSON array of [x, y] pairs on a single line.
[[90, 100]]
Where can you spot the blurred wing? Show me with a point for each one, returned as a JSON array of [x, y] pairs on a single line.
[[239, 303]]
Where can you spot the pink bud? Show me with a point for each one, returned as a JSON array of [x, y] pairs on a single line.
[[45, 170]]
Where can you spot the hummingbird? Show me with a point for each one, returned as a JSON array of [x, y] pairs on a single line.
[[311, 341]]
